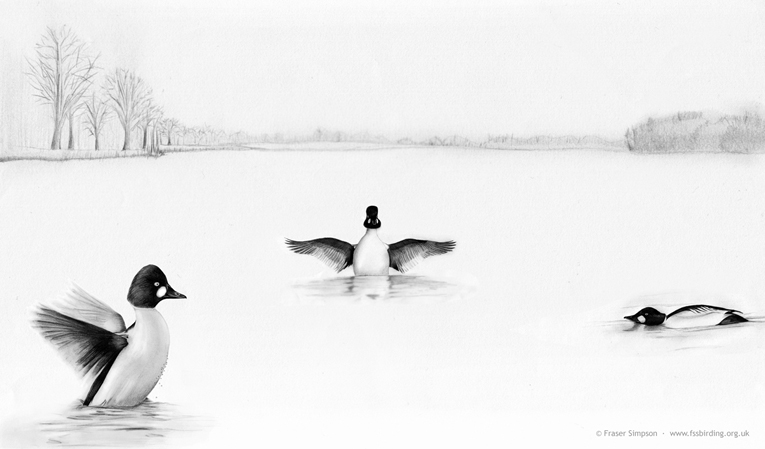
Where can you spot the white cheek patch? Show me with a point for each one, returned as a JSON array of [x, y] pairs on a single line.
[[161, 292], [641, 318]]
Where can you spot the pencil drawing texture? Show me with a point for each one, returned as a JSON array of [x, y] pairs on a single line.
[[410, 289], [97, 114], [697, 131], [61, 74], [143, 425], [64, 75], [123, 364], [499, 125], [371, 257], [688, 316], [131, 100]]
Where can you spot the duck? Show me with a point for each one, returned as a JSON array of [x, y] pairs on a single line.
[[121, 365], [371, 256], [688, 316]]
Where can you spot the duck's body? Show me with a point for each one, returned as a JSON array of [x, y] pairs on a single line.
[[687, 317], [371, 256], [123, 364], [138, 367]]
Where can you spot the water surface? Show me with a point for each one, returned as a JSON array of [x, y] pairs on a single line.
[[146, 424], [397, 288], [732, 338]]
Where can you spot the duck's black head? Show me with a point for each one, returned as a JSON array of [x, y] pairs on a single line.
[[372, 222], [149, 287], [648, 316]]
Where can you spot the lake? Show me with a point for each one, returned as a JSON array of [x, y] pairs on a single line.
[[520, 327]]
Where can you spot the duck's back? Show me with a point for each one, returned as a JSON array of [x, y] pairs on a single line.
[[139, 366], [699, 316]]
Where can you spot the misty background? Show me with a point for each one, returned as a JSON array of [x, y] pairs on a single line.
[[404, 70]]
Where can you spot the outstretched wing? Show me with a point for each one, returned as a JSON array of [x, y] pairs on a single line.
[[79, 304], [404, 255], [87, 347], [701, 308], [333, 252]]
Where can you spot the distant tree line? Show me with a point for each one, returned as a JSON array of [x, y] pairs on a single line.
[[500, 141], [697, 131], [62, 74]]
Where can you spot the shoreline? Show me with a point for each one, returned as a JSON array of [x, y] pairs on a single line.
[[69, 155]]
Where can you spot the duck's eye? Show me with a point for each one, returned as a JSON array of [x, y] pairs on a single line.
[[156, 284]]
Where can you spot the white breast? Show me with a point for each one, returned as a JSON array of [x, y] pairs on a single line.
[[139, 366], [370, 258]]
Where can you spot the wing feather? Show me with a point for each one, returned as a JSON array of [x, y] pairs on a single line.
[[702, 308], [335, 253], [404, 255], [87, 347], [79, 304]]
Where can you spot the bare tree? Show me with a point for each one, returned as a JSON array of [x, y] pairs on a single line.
[[184, 131], [72, 113], [177, 132], [97, 113], [220, 136], [169, 125], [148, 114], [156, 140], [129, 95], [153, 146], [207, 133], [60, 74]]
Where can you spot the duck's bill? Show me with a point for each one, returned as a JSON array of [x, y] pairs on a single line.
[[172, 294], [631, 318]]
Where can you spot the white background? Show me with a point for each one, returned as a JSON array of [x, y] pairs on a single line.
[[559, 243]]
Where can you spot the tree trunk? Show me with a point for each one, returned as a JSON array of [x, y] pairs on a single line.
[[97, 147], [71, 132], [145, 131], [168, 138], [126, 146], [55, 144]]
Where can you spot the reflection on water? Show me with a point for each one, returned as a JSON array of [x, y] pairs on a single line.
[[399, 288], [148, 423]]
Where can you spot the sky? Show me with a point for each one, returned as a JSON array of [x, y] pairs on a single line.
[[393, 68]]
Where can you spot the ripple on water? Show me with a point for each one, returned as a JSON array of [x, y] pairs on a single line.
[[399, 288], [146, 424]]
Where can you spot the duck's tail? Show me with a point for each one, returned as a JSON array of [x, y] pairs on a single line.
[[732, 318]]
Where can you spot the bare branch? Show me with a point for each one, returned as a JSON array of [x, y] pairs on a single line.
[[60, 74], [129, 97]]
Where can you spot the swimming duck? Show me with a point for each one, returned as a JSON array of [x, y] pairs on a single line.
[[124, 363], [688, 316], [371, 256]]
